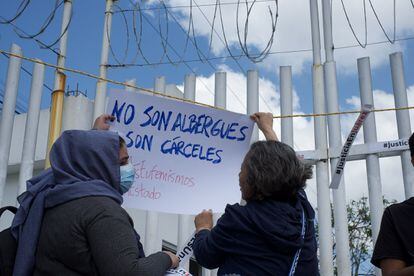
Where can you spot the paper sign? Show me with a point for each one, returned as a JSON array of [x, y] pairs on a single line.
[[177, 272], [187, 157], [337, 175]]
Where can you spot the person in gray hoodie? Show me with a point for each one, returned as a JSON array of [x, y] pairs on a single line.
[[70, 220]]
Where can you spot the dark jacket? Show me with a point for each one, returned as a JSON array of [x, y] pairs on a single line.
[[70, 220], [260, 238], [92, 236]]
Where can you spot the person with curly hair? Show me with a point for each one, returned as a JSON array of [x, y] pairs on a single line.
[[273, 233]]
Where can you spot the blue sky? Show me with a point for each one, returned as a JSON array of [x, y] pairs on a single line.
[[292, 33], [85, 37]]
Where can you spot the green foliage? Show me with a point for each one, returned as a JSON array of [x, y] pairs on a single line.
[[360, 235]]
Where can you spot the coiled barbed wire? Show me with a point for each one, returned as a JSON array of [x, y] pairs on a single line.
[[380, 23], [108, 37], [46, 24], [20, 10], [191, 34], [363, 45], [138, 36], [243, 45], [204, 55]]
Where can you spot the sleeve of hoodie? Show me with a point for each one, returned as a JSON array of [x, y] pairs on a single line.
[[211, 247], [114, 246]]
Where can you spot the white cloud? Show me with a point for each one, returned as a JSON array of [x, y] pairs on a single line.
[[355, 173], [293, 30]]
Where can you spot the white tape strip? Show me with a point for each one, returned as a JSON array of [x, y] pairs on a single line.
[[177, 272], [184, 254], [337, 174]]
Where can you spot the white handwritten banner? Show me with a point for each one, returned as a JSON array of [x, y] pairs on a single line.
[[187, 157]]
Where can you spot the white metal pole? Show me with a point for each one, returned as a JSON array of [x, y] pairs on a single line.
[[252, 104], [220, 96], [190, 87], [253, 98], [403, 119], [131, 82], [339, 200], [100, 94], [152, 238], [185, 221], [220, 83], [286, 104], [343, 261], [67, 10], [32, 123], [7, 114], [321, 144], [370, 136]]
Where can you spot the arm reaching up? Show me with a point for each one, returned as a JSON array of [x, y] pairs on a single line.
[[101, 123], [264, 121]]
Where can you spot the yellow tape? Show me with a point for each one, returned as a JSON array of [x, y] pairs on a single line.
[[190, 101]]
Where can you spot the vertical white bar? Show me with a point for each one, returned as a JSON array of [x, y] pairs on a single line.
[[376, 206], [32, 123], [67, 10], [7, 114], [343, 260], [153, 242], [253, 98], [100, 94], [220, 94], [252, 104], [321, 144], [286, 104], [160, 84], [190, 87], [131, 82], [322, 177], [220, 82], [61, 59], [185, 221], [403, 119]]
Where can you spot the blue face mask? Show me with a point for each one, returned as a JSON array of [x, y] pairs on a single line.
[[127, 177]]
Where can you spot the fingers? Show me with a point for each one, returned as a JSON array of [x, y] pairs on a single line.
[[206, 212], [258, 116], [175, 261], [101, 123], [254, 117], [108, 117]]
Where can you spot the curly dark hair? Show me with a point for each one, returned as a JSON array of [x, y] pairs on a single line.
[[274, 171], [411, 144]]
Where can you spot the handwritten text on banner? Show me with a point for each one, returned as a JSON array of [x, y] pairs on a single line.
[[187, 157]]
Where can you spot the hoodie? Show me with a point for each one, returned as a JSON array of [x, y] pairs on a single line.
[[83, 164], [260, 238]]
